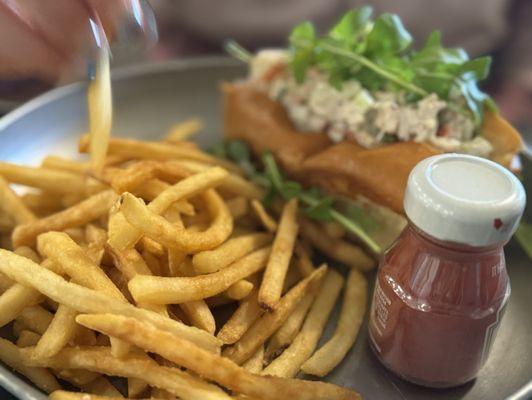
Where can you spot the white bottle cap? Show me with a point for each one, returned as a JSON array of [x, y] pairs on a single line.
[[464, 199]]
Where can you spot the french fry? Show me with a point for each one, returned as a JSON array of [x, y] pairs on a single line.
[[239, 290], [133, 176], [183, 130], [238, 206], [245, 315], [333, 229], [289, 362], [266, 220], [211, 366], [27, 338], [214, 260], [41, 377], [304, 262], [100, 359], [162, 290], [256, 362], [333, 352], [184, 189], [78, 377], [100, 109], [49, 180], [234, 183], [64, 395], [35, 318], [86, 300], [61, 330], [337, 249], [289, 330], [14, 300], [265, 326], [42, 203], [60, 248], [65, 164], [80, 214], [12, 205], [197, 311], [6, 223], [156, 151], [76, 234], [271, 287]]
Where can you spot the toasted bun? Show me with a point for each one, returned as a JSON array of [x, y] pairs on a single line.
[[346, 168]]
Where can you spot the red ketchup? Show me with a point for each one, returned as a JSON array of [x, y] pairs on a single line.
[[442, 287]]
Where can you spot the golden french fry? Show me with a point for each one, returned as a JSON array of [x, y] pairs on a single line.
[[183, 130], [265, 326], [333, 229], [234, 183], [14, 300], [61, 330], [197, 311], [245, 315], [35, 318], [41, 377], [64, 395], [76, 234], [126, 236], [65, 164], [133, 176], [271, 287], [289, 330], [27, 338], [338, 250], [238, 206], [77, 377], [156, 151], [77, 215], [256, 362], [63, 250], [162, 290], [289, 362], [6, 224], [50, 180], [139, 366], [42, 203], [266, 220], [229, 252], [239, 290], [12, 205], [333, 352], [303, 262], [100, 109], [211, 366], [86, 300]]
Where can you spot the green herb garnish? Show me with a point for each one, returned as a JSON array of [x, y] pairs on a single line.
[[378, 54], [317, 206]]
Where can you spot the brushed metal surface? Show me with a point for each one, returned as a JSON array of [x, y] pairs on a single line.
[[150, 98]]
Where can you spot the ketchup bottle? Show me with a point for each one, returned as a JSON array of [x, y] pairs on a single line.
[[442, 287]]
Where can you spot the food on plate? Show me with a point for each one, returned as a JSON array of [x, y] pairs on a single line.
[[353, 111], [119, 269]]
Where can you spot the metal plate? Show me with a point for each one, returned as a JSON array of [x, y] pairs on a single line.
[[148, 99]]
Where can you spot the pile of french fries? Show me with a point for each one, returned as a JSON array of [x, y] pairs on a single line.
[[126, 270]]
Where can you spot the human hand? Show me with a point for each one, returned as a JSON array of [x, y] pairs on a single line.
[[48, 39]]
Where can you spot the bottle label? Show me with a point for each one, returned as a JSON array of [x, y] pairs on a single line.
[[379, 309], [491, 330]]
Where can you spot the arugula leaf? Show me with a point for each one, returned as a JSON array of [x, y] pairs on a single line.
[[302, 39], [318, 206], [379, 55], [388, 36], [353, 28]]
